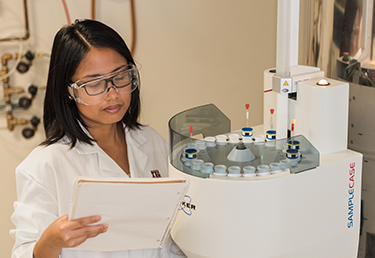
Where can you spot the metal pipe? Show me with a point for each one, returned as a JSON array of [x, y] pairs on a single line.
[[11, 122], [134, 32], [93, 9], [27, 31]]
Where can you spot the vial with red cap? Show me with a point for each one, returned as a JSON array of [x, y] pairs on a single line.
[[247, 131], [271, 134]]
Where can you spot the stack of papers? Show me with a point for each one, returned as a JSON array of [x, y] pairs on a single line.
[[139, 211]]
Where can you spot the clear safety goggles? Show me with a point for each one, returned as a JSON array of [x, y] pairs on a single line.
[[93, 91]]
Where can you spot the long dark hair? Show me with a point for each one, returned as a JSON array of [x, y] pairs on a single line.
[[70, 46]]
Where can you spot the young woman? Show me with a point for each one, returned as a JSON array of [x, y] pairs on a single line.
[[91, 124]]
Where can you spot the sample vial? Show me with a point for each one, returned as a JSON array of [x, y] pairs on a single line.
[[249, 171], [191, 153], [275, 167], [210, 141], [234, 171], [220, 170], [247, 131], [207, 168], [196, 164], [221, 139], [285, 163], [263, 170], [293, 156], [293, 144], [271, 135]]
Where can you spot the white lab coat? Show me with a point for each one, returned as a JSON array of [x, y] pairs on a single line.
[[45, 181]]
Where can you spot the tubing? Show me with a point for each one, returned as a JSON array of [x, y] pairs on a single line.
[[4, 76], [66, 12], [93, 9], [134, 33]]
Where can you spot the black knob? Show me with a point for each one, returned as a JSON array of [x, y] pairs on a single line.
[[33, 90], [28, 133], [29, 55], [24, 102], [35, 121], [22, 67]]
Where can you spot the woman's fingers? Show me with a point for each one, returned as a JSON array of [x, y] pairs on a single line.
[[82, 234], [91, 231], [63, 233], [86, 220], [77, 231]]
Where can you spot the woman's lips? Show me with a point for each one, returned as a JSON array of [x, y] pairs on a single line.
[[112, 109]]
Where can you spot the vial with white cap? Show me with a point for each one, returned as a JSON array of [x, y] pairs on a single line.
[[207, 167], [285, 163], [210, 141], [221, 139], [249, 171], [234, 171], [201, 144], [220, 170], [196, 164], [259, 140], [263, 170], [234, 138], [275, 167]]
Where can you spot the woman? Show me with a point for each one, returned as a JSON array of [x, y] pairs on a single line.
[[91, 124]]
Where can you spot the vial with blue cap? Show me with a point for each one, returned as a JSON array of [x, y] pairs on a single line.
[[293, 156], [247, 131]]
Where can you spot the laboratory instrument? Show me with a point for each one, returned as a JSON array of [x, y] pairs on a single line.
[[283, 196]]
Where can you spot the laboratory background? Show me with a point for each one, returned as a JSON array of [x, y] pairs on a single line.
[[191, 53]]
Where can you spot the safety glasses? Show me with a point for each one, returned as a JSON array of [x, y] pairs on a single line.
[[94, 90]]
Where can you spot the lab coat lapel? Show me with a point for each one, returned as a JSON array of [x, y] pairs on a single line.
[[108, 164], [105, 162], [137, 158]]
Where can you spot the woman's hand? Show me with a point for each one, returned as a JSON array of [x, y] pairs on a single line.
[[63, 233]]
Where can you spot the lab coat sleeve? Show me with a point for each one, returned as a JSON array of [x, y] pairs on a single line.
[[34, 211]]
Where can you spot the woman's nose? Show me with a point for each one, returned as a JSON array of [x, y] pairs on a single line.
[[112, 92]]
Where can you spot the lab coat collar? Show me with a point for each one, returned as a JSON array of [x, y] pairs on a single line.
[[137, 158], [136, 136]]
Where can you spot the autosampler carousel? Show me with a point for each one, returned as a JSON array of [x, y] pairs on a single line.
[[252, 195]]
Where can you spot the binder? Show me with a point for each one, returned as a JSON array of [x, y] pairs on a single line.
[[139, 211]]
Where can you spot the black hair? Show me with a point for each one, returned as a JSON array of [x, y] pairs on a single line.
[[71, 44]]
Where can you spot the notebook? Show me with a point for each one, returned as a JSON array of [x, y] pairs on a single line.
[[139, 211]]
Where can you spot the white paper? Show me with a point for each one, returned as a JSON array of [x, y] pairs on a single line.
[[139, 212]]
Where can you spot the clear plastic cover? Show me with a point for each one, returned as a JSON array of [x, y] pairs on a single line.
[[214, 150]]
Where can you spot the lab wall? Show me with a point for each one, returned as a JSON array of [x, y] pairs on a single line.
[[189, 52]]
